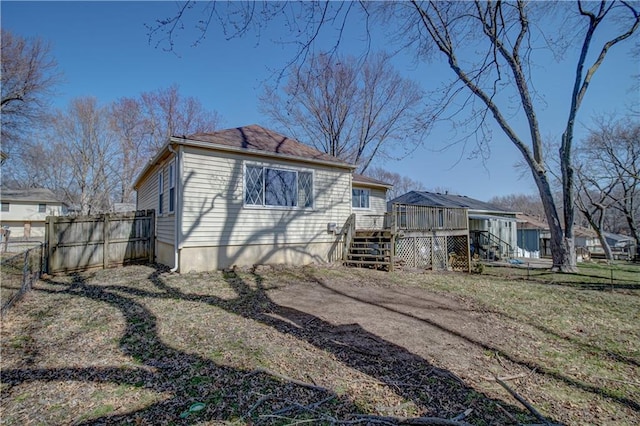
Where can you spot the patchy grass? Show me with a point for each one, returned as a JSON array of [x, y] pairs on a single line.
[[590, 275], [318, 345]]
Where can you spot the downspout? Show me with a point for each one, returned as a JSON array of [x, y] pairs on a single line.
[[177, 208]]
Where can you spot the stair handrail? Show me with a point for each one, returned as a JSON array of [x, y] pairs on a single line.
[[348, 230], [493, 238]]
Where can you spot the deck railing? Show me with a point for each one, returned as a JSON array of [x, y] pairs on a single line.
[[425, 218]]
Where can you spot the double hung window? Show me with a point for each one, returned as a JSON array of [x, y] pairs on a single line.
[[360, 198]]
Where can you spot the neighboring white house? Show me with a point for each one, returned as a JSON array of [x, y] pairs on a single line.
[[24, 211], [248, 196]]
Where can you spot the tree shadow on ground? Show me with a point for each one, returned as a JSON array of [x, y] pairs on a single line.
[[258, 396], [540, 369]]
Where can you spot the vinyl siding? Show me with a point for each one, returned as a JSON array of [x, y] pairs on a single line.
[[373, 216], [214, 213], [148, 199]]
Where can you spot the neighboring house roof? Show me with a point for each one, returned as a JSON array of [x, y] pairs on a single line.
[[582, 232], [367, 181], [529, 222], [618, 240], [41, 195], [124, 207], [252, 139], [435, 199]]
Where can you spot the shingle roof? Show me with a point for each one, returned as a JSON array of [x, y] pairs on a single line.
[[529, 222], [31, 194], [366, 180], [258, 138], [435, 199]]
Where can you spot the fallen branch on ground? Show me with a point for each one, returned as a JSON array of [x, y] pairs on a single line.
[[505, 378], [288, 379], [435, 421], [311, 407], [257, 404], [508, 414], [524, 402], [463, 415]]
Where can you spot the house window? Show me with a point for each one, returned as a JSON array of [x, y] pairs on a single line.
[[172, 187], [160, 192], [360, 198], [5, 206], [267, 186], [42, 208]]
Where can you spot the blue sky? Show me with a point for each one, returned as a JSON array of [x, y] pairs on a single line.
[[103, 50]]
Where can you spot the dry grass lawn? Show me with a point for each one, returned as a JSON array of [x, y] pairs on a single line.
[[319, 345]]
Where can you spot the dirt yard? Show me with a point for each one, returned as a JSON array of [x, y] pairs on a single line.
[[311, 345]]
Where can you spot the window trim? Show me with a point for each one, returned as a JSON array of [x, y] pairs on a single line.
[[42, 207], [368, 192], [6, 206], [160, 192], [172, 187], [295, 170]]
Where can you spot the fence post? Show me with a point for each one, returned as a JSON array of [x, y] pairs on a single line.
[[105, 241], [25, 272], [50, 228]]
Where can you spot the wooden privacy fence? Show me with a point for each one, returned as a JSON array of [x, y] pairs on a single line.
[[101, 241]]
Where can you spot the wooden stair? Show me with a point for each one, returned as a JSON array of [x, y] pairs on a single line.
[[371, 249]]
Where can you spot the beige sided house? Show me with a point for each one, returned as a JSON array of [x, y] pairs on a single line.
[[24, 211], [248, 196]]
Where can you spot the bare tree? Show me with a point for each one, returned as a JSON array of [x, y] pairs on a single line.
[[29, 74], [608, 171], [354, 111], [401, 184], [88, 153], [489, 48], [523, 203], [167, 113], [128, 124], [143, 124]]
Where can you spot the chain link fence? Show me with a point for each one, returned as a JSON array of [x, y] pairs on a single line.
[[19, 272]]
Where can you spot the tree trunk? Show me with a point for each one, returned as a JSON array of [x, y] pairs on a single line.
[[603, 241], [562, 248], [635, 234]]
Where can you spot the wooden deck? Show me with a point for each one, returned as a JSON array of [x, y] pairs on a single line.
[[424, 231]]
